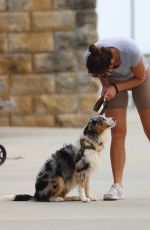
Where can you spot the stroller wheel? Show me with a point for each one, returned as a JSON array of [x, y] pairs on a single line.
[[2, 154]]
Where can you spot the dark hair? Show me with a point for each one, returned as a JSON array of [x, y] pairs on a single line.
[[99, 59]]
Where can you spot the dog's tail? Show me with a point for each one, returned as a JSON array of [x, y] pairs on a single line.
[[20, 197]]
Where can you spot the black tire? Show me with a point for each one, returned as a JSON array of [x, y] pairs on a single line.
[[2, 154]]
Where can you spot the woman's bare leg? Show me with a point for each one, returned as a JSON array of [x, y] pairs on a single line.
[[145, 119], [117, 150]]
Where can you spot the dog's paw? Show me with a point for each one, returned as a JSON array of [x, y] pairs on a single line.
[[76, 198], [92, 198], [72, 198], [86, 200], [60, 199], [56, 199]]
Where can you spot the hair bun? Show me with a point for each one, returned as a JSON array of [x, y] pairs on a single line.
[[94, 50]]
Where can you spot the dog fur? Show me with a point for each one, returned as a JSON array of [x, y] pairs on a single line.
[[72, 166]]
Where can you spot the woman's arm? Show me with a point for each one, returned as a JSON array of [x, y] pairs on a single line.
[[105, 85], [104, 82], [139, 74]]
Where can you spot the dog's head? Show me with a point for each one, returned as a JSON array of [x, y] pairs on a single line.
[[98, 125]]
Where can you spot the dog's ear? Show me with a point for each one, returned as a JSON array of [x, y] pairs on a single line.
[[85, 130], [90, 131], [90, 128]]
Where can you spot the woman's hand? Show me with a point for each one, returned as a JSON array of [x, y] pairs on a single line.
[[109, 93]]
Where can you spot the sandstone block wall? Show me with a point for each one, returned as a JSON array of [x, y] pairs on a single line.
[[42, 43]]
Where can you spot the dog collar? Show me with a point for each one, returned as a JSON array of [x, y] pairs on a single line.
[[83, 148]]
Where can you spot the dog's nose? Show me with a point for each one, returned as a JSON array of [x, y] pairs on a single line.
[[113, 119]]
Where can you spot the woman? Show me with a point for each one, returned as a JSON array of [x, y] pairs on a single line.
[[120, 66]]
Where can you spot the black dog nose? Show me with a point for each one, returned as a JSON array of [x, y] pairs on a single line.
[[113, 119]]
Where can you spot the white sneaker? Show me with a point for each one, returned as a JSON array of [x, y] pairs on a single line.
[[115, 193]]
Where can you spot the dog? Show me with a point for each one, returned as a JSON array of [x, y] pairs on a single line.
[[72, 166]]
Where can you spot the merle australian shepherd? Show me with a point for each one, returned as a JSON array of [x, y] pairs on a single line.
[[71, 166]]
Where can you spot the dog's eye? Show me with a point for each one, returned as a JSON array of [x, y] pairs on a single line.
[[102, 119]]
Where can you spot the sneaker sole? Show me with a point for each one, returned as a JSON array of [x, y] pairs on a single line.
[[112, 198]]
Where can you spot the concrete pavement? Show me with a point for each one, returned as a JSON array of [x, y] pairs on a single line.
[[28, 148]]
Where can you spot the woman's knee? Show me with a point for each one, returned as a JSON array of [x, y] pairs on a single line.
[[144, 115], [119, 133]]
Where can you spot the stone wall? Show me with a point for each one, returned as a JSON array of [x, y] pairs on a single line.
[[42, 43]]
